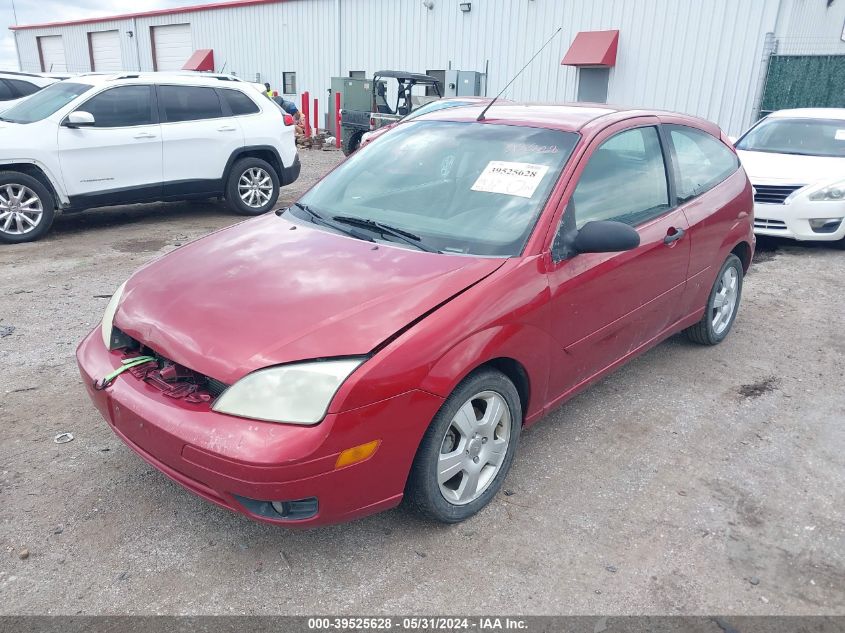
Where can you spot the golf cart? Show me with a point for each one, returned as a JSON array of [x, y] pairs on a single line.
[[370, 104]]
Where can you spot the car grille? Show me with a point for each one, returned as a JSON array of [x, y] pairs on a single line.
[[184, 375], [776, 225], [773, 194]]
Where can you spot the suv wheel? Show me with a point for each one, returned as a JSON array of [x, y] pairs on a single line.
[[467, 450], [27, 208], [253, 187]]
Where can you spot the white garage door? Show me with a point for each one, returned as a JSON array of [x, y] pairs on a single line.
[[105, 51], [52, 54], [172, 46]]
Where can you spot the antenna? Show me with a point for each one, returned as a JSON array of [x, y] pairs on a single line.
[[489, 105]]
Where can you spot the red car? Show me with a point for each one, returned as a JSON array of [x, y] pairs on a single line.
[[389, 335]]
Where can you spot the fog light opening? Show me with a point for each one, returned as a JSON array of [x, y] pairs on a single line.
[[356, 454], [825, 225], [296, 510]]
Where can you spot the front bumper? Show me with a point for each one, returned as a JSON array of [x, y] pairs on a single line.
[[792, 220], [221, 457]]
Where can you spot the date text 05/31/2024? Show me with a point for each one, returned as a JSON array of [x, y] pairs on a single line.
[[416, 624]]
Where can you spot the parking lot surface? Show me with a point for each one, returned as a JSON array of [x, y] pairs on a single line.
[[694, 480]]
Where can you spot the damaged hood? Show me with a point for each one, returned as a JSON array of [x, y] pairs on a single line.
[[269, 291]]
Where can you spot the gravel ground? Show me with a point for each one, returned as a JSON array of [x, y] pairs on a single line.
[[694, 480]]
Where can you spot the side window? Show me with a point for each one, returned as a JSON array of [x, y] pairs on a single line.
[[703, 161], [189, 103], [6, 93], [23, 88], [239, 103], [624, 180], [121, 107]]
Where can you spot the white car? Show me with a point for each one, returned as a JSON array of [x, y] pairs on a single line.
[[14, 87], [99, 140], [796, 161]]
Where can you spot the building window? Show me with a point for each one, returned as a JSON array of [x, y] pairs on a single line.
[[289, 83], [357, 74], [592, 84], [440, 76]]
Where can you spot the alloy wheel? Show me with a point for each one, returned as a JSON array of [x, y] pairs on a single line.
[[724, 302], [474, 448], [255, 187], [21, 209]]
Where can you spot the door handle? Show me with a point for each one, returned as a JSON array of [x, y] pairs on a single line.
[[674, 236], [226, 128], [144, 135]]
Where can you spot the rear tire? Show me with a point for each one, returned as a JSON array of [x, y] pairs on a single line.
[[722, 305], [353, 143], [27, 208], [467, 450], [252, 187]]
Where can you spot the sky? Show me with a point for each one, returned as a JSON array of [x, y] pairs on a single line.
[[37, 11]]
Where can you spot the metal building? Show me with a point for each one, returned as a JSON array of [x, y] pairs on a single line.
[[711, 58]]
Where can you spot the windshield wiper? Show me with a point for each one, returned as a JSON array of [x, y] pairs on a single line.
[[386, 229], [319, 219]]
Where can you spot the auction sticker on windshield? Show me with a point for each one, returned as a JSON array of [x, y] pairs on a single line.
[[511, 179]]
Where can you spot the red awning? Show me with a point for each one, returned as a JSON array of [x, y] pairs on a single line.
[[202, 59], [592, 48]]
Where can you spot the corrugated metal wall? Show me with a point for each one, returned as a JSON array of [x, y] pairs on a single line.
[[699, 57]]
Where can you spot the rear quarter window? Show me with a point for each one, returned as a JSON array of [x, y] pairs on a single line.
[[189, 103], [239, 103], [23, 88], [6, 93], [702, 161]]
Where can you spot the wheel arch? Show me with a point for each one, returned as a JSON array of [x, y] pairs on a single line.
[[745, 253], [501, 348], [516, 373], [34, 170], [267, 153]]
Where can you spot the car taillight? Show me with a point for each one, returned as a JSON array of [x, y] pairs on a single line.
[[372, 123], [288, 119]]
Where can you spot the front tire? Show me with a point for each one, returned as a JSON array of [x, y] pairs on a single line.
[[252, 187], [27, 208], [722, 305], [468, 449]]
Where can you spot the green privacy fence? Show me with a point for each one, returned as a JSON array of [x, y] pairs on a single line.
[[804, 81]]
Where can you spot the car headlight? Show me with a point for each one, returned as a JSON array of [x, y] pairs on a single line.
[[108, 317], [835, 191], [299, 393]]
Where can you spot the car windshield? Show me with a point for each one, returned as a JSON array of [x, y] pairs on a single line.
[[805, 137], [45, 102], [471, 188]]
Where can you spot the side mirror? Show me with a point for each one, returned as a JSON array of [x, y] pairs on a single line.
[[78, 119], [602, 236]]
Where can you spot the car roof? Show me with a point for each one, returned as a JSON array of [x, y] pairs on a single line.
[[176, 77], [39, 80], [567, 117], [809, 113]]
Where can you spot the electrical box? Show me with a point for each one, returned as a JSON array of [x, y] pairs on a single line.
[[356, 94], [464, 83]]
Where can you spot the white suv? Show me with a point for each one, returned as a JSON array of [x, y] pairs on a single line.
[[99, 140], [15, 87]]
